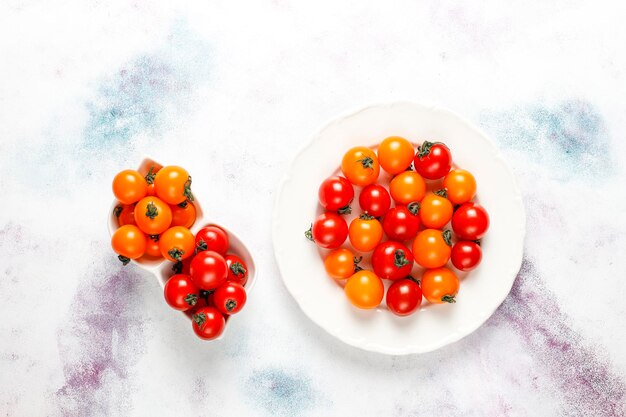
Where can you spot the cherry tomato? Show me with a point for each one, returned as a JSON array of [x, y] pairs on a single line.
[[173, 185], [129, 243], [470, 221], [180, 292], [152, 246], [341, 263], [365, 233], [208, 323], [460, 185], [365, 290], [402, 223], [124, 214], [466, 255], [433, 160], [431, 248], [153, 216], [336, 194], [395, 154], [435, 210], [329, 231], [177, 243], [407, 187], [229, 298], [183, 214], [440, 285], [404, 297], [129, 186], [374, 200], [208, 270], [392, 260], [149, 176], [212, 238], [237, 270], [360, 166]]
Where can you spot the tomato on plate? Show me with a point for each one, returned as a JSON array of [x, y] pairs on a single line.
[[229, 298], [470, 221], [329, 231], [172, 184], [129, 243], [237, 269], [375, 200], [208, 270], [365, 290], [152, 246], [336, 194], [125, 214], [407, 187], [431, 248], [392, 260], [466, 255], [208, 323], [152, 215], [360, 166], [183, 214], [365, 233], [433, 160], [440, 285], [402, 223], [404, 297], [460, 185], [212, 238], [180, 292], [341, 264], [177, 243], [395, 154], [435, 210], [129, 186]]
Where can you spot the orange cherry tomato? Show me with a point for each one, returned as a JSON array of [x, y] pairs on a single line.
[[461, 186], [440, 286], [152, 247], [177, 243], [431, 248], [360, 166], [183, 214], [129, 186], [435, 210], [124, 214], [407, 187], [341, 263], [173, 185], [128, 242], [365, 290], [153, 216], [395, 154], [365, 233]]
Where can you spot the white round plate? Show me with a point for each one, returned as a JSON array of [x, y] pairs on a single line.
[[322, 299]]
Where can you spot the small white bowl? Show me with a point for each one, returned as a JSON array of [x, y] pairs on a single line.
[[161, 268]]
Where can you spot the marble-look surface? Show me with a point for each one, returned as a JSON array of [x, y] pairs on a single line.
[[231, 91]]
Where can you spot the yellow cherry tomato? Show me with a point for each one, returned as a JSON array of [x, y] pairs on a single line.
[[435, 210], [395, 154], [460, 185], [365, 233], [407, 187], [365, 290], [440, 285]]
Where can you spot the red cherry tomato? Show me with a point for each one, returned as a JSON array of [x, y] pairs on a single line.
[[212, 238], [329, 231], [229, 298], [402, 223], [237, 269], [180, 292], [392, 260], [470, 221], [375, 200], [404, 297], [336, 194], [208, 323], [208, 270], [466, 255], [433, 160]]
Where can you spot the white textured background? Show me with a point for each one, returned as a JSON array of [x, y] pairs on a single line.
[[231, 91]]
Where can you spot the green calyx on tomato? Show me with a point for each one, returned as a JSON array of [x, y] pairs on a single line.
[[448, 299], [366, 216], [117, 211], [442, 193], [150, 176], [424, 149], [367, 162], [447, 237], [124, 260], [414, 208], [231, 305], [415, 280], [201, 246], [238, 269], [187, 190], [309, 233], [191, 299], [151, 211], [400, 259], [199, 319], [356, 261], [184, 204], [345, 210], [154, 237], [176, 253]]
